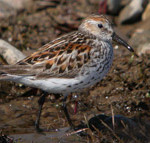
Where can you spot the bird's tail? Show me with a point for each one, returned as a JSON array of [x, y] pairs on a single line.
[[7, 71]]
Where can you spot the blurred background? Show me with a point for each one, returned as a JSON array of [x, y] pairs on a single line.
[[26, 25]]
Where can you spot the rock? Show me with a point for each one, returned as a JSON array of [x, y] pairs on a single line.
[[125, 2], [132, 12], [113, 6], [146, 13], [6, 10], [144, 49], [109, 6], [11, 7], [102, 122], [124, 128], [10, 53], [17, 4], [141, 41]]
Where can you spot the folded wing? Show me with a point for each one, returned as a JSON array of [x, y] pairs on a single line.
[[63, 57]]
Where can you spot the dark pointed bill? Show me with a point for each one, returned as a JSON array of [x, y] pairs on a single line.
[[119, 40]]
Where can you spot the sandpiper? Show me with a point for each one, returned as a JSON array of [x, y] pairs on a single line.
[[70, 63]]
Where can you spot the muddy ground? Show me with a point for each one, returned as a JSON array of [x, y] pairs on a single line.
[[125, 91]]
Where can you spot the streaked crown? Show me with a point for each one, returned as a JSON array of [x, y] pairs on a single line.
[[97, 25]]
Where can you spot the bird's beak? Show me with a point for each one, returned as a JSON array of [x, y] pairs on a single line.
[[119, 40]]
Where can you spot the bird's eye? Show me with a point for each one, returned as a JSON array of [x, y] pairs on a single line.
[[100, 25]]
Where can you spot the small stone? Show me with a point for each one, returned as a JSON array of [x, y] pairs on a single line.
[[11, 54], [141, 41], [17, 4], [132, 12], [10, 8], [146, 13], [6, 10], [114, 6], [143, 49]]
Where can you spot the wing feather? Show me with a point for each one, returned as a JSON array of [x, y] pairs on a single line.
[[63, 57]]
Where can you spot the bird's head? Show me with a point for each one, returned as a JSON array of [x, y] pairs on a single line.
[[100, 27]]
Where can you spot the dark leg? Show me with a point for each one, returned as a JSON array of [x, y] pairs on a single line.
[[70, 122], [40, 102], [67, 114]]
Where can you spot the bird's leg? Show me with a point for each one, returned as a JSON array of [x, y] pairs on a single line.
[[40, 102], [70, 122], [67, 114]]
